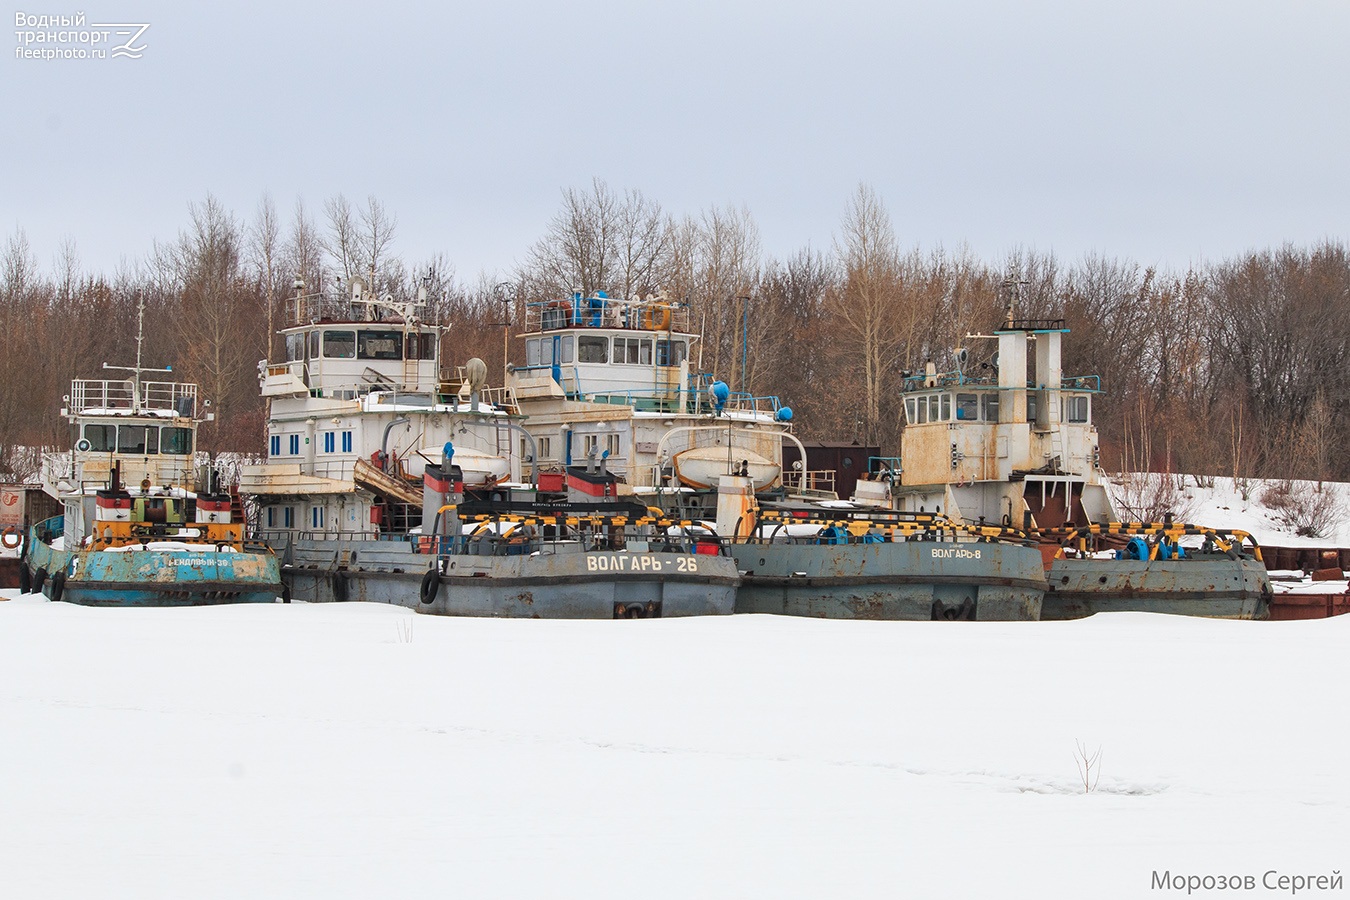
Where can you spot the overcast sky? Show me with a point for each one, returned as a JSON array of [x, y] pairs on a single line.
[[1167, 132]]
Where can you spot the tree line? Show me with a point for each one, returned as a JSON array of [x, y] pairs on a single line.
[[1235, 367]]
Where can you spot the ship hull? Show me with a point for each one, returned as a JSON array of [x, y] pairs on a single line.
[[556, 582], [153, 577], [908, 580], [1220, 587]]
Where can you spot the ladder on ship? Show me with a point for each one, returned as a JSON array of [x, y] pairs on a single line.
[[412, 351], [503, 441], [1052, 418]]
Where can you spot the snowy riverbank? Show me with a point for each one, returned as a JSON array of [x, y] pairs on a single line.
[[361, 751]]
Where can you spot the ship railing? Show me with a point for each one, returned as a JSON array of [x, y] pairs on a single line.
[[547, 530], [828, 526], [88, 395], [884, 465], [277, 538], [178, 472], [1156, 540], [701, 385], [602, 311], [312, 308], [957, 379], [810, 482], [445, 393]]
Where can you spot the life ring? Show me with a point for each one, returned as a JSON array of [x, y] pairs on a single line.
[[10, 532], [431, 586], [656, 317]]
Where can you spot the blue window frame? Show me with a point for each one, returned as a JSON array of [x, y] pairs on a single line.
[[274, 445], [346, 442], [295, 445], [288, 516], [272, 515], [316, 516], [328, 441]]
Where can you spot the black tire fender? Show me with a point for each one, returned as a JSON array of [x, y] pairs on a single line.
[[25, 578], [39, 579], [58, 586], [431, 586], [338, 581]]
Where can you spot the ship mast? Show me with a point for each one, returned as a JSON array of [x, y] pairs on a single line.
[[138, 368]]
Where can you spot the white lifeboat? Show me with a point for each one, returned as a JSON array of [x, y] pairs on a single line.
[[479, 469], [701, 467]]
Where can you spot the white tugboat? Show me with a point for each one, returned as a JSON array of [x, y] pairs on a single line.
[[609, 376], [385, 481]]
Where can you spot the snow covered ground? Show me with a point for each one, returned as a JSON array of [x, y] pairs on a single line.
[[360, 750], [1222, 506]]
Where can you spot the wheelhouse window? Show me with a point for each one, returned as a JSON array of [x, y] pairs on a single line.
[[633, 351], [967, 407], [101, 438], [295, 347], [314, 345], [990, 403], [141, 440], [592, 349], [339, 344], [671, 353], [565, 349], [175, 441], [420, 346], [378, 345], [532, 352], [1076, 409], [946, 409]]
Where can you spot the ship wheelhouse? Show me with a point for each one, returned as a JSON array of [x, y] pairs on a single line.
[[600, 349], [614, 378], [1028, 425], [358, 405]]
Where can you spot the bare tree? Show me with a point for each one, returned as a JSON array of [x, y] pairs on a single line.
[[217, 313], [866, 301], [303, 251], [264, 245]]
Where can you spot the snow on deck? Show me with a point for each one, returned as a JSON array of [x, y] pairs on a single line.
[[356, 750]]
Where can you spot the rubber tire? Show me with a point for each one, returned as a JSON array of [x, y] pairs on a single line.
[[431, 586], [58, 586], [285, 593], [39, 579], [25, 579]]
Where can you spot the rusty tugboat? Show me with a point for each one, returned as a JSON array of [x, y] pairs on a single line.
[[1020, 449], [141, 525]]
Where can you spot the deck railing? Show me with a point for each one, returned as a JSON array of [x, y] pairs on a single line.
[[179, 398]]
